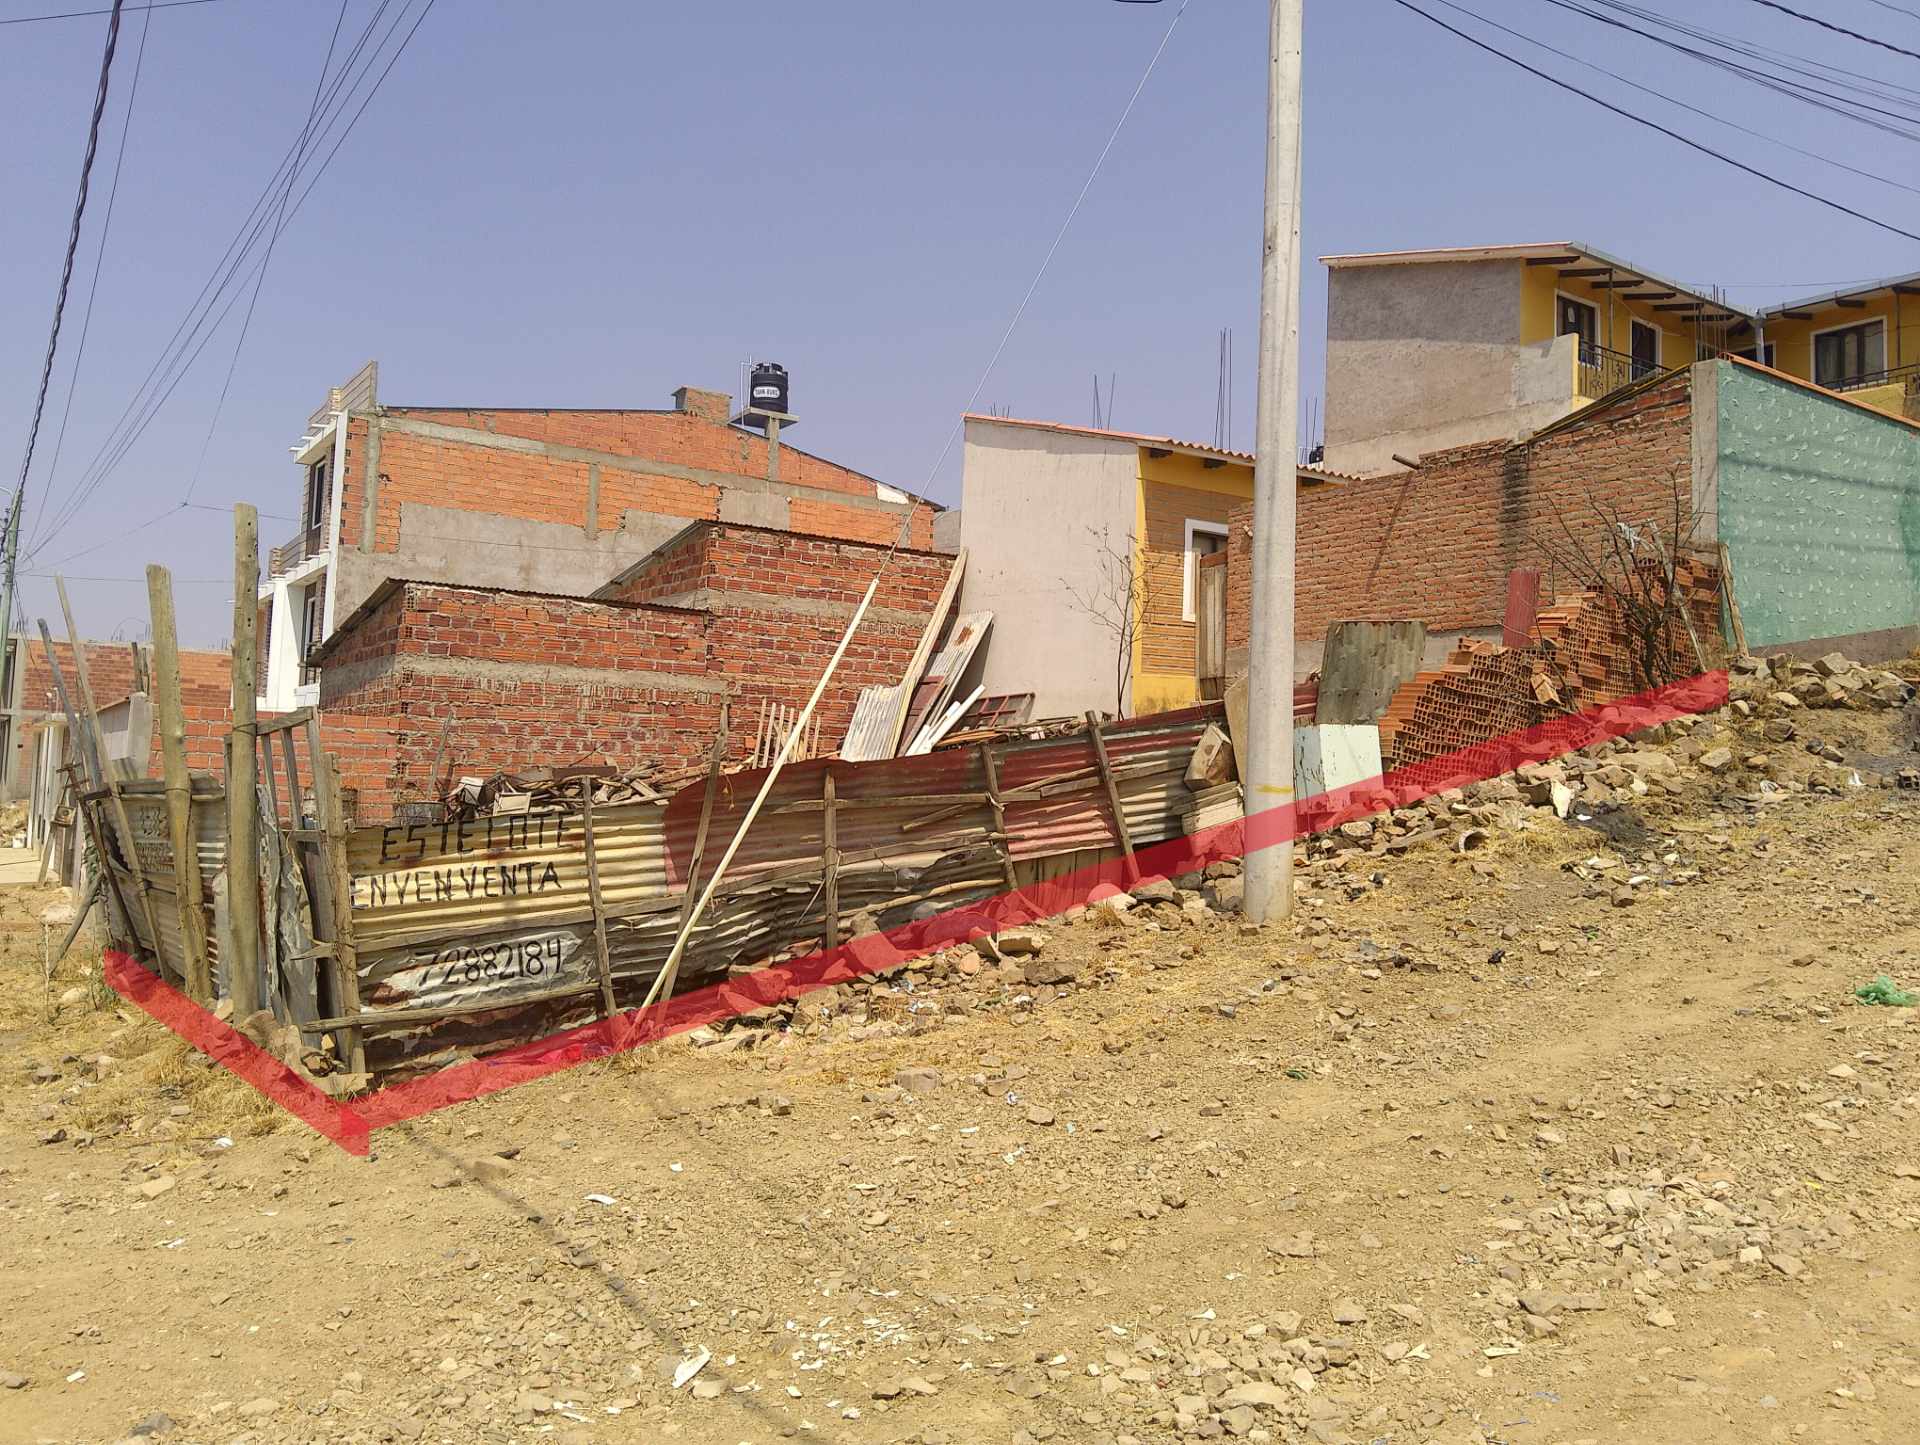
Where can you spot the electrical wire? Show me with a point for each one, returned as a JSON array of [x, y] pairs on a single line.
[[1837, 29], [79, 14], [99, 259], [1840, 105], [273, 236], [1054, 249], [1667, 131], [73, 246], [176, 359], [167, 373], [1672, 100]]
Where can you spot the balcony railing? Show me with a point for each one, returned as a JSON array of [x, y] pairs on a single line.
[[1601, 372], [309, 543], [1893, 375]]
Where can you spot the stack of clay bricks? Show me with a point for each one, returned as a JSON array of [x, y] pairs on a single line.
[[1578, 657]]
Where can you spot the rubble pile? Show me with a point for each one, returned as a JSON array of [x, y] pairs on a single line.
[[1765, 746]]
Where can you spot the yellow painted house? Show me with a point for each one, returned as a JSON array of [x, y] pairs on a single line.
[[1430, 349], [1089, 547]]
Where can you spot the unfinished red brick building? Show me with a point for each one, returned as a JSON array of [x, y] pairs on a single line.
[[537, 499], [474, 681]]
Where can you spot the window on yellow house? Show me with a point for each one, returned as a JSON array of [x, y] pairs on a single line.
[[1203, 540], [1847, 355]]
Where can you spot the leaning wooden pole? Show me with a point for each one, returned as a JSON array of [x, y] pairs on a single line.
[[111, 782], [670, 970], [179, 784], [243, 764]]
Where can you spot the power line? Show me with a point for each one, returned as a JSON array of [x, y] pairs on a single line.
[[99, 259], [1053, 250], [73, 245], [1841, 105], [1837, 29], [1683, 105], [79, 14], [1667, 131], [167, 372], [176, 359], [273, 236]]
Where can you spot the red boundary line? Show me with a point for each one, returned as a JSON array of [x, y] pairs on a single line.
[[350, 1124]]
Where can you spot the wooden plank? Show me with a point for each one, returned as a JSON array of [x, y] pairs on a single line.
[[924, 649], [830, 857], [991, 766], [285, 723], [714, 763], [1733, 602], [1129, 863], [121, 820], [601, 959], [179, 784], [243, 803], [346, 964]]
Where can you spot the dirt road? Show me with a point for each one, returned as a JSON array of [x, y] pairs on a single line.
[[1496, 1146]]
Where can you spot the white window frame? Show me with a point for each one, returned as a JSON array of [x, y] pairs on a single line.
[[1813, 344], [1189, 612]]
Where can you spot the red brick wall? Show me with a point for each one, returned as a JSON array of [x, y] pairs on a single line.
[[451, 473], [1436, 544], [602, 682], [109, 669], [780, 602]]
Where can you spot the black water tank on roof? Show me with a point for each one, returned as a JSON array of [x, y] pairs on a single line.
[[767, 388]]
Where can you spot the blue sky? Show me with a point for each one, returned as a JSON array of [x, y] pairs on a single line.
[[588, 203]]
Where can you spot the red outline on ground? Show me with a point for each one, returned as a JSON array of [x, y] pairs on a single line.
[[349, 1125]]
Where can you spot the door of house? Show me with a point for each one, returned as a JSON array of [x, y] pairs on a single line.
[[1646, 350], [1210, 624]]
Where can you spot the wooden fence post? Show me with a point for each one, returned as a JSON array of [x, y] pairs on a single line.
[[714, 762], [339, 885], [1128, 862], [179, 783], [830, 856], [243, 762], [121, 820], [992, 766], [601, 957]]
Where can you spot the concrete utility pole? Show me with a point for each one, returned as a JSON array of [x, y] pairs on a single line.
[[1268, 770]]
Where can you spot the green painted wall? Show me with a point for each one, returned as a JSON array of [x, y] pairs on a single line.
[[1819, 503]]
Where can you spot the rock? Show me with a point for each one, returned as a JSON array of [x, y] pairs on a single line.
[[1020, 942], [1228, 895], [1258, 1393], [918, 1079], [1778, 730], [915, 1385], [1542, 1302], [1717, 760], [888, 1390], [491, 1169], [1792, 1266], [11, 1381], [158, 1423], [1039, 1115], [1786, 701], [1662, 1319], [1041, 972], [1155, 890], [1832, 665], [1348, 1312], [258, 1408], [707, 1390], [155, 1187], [1623, 897]]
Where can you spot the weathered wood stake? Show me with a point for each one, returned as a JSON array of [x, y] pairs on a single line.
[[179, 783], [243, 763]]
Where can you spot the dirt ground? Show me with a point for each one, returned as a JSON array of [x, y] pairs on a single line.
[[1474, 1151]]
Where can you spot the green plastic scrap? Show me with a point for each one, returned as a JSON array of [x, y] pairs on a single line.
[[1884, 990]]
